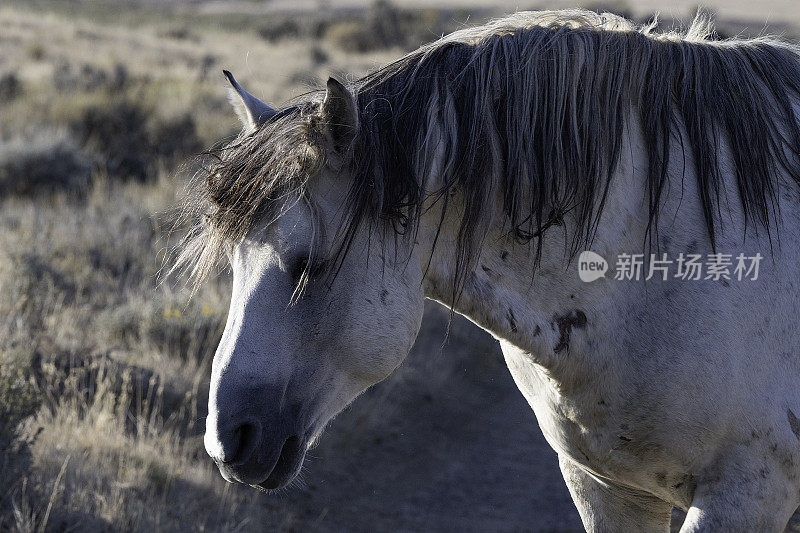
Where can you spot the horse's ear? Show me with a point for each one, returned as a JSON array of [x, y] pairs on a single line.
[[251, 111], [340, 114]]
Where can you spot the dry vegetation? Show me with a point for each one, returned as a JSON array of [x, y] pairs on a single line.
[[103, 370]]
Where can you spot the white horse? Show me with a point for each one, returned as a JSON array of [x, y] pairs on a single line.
[[471, 172]]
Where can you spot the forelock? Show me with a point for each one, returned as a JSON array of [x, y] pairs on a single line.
[[252, 179]]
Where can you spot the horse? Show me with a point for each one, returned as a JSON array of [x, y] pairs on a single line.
[[472, 172]]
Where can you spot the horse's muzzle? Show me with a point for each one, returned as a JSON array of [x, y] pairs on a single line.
[[264, 454], [266, 468]]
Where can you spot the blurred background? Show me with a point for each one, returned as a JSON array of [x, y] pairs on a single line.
[[104, 370]]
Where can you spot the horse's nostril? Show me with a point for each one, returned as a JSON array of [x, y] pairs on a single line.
[[243, 442]]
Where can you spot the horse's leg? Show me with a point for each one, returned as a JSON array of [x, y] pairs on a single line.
[[741, 494], [604, 506]]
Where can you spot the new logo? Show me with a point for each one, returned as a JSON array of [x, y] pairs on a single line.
[[591, 266]]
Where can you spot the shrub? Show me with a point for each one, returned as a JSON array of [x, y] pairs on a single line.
[[19, 400], [175, 139], [131, 143], [86, 379], [10, 87], [47, 163], [36, 51], [89, 77], [319, 56], [185, 332], [385, 26], [348, 35], [179, 33], [277, 29], [117, 133], [207, 64]]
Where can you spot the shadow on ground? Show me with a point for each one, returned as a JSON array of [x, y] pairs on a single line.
[[456, 449]]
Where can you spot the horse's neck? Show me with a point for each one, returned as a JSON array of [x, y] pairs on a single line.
[[534, 307], [502, 295], [574, 329]]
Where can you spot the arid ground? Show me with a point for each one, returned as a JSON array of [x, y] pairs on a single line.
[[104, 363]]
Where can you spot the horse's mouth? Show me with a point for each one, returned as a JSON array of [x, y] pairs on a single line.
[[287, 466]]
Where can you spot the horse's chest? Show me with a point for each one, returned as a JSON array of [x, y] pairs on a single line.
[[602, 432]]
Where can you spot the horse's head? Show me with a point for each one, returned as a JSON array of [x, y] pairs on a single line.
[[322, 306]]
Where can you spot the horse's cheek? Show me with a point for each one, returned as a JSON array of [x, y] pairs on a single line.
[[377, 334]]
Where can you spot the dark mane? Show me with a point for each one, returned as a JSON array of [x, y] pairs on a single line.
[[537, 113], [532, 108]]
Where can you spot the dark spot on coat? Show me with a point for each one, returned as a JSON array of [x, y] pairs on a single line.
[[684, 488], [491, 273], [504, 255], [564, 324], [794, 423], [537, 331], [384, 294], [512, 320]]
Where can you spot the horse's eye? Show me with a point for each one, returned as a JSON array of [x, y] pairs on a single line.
[[299, 267]]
